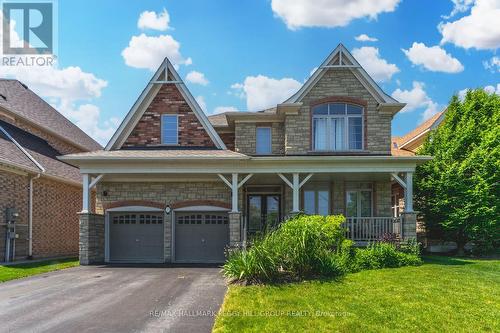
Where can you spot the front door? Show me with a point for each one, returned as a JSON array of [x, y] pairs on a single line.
[[263, 212]]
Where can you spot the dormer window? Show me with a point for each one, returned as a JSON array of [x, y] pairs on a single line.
[[337, 127], [169, 129]]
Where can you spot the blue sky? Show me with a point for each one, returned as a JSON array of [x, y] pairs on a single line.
[[252, 54]]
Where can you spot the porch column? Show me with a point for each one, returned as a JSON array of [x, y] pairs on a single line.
[[295, 188], [234, 193], [86, 193], [409, 192]]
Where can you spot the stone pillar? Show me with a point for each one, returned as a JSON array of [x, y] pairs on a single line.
[[91, 239], [234, 228], [409, 225]]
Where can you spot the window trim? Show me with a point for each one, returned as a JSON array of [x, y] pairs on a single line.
[[346, 126], [161, 129], [316, 188], [270, 140]]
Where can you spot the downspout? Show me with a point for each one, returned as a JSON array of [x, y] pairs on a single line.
[[30, 218], [30, 204]]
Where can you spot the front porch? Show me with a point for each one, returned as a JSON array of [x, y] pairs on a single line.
[[215, 200]]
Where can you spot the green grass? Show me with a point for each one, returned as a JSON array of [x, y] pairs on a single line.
[[443, 295], [12, 272]]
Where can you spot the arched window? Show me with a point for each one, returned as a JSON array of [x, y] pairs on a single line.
[[337, 127]]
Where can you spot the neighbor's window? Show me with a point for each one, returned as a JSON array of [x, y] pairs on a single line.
[[337, 126], [169, 129], [317, 201], [359, 200], [263, 144]]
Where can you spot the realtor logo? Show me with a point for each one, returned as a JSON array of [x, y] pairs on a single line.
[[28, 28]]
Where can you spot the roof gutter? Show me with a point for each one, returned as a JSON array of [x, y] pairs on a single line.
[[28, 155]]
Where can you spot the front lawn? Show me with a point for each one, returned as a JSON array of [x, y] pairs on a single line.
[[443, 295], [12, 272]]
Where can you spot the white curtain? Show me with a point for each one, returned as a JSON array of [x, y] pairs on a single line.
[[337, 134], [320, 134]]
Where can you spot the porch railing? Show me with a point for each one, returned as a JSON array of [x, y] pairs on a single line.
[[367, 229]]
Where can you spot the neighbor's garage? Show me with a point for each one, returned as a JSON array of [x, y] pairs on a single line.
[[136, 237], [201, 237]]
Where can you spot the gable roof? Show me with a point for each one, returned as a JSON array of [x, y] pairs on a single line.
[[21, 149], [161, 76], [18, 100], [342, 58], [414, 138]]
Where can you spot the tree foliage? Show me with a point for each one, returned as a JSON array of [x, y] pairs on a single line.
[[458, 191]]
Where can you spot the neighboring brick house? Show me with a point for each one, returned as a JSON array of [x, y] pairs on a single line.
[[174, 185], [44, 191]]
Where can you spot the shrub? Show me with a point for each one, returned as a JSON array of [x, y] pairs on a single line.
[[312, 246], [302, 247], [385, 255]]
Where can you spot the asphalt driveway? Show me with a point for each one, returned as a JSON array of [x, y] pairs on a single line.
[[113, 299]]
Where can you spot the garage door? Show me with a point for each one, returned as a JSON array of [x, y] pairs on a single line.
[[201, 236], [136, 237]]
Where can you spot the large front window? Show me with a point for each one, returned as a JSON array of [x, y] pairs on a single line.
[[316, 201], [337, 127], [359, 200]]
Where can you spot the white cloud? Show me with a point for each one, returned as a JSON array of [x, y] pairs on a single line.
[[88, 118], [154, 21], [328, 13], [149, 51], [65, 89], [433, 58], [365, 38], [480, 29], [459, 6], [493, 89], [202, 103], [222, 109], [378, 68], [416, 98], [197, 78], [493, 64], [262, 92]]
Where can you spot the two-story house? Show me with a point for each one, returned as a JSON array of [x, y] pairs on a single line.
[[174, 185], [40, 195]]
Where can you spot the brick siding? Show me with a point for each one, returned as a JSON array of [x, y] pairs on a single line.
[[55, 220], [169, 100]]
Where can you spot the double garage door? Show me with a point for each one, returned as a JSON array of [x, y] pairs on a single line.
[[200, 237]]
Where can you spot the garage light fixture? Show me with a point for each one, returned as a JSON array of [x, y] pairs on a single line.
[[168, 209]]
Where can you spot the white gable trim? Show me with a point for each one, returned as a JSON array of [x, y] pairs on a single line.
[[140, 106], [351, 64]]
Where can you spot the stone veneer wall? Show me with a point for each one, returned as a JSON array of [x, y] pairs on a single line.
[[245, 137], [341, 83], [91, 239]]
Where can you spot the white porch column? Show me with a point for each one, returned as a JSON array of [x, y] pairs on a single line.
[[86, 193], [234, 192], [295, 188], [409, 192]]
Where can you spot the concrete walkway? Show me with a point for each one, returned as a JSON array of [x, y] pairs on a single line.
[[113, 299]]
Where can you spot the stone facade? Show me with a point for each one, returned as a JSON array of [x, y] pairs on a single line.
[[169, 100], [340, 83], [234, 229], [409, 221], [91, 239], [246, 134]]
